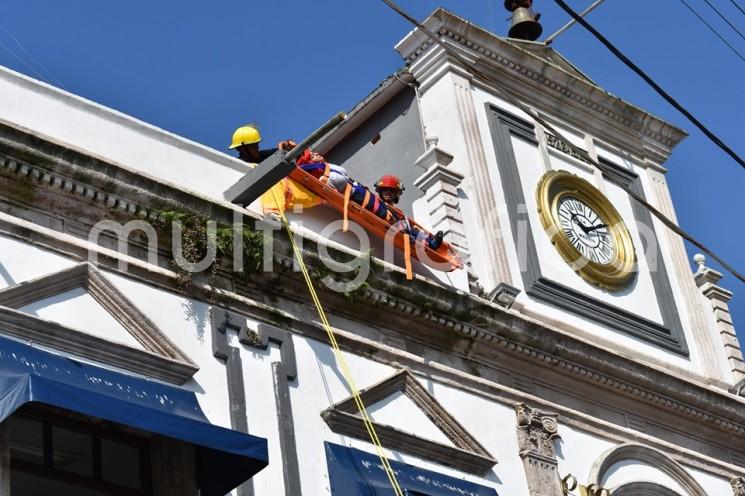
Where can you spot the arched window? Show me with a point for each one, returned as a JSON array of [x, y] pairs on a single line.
[[645, 455], [644, 489]]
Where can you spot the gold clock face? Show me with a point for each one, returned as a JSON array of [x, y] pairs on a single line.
[[586, 230]]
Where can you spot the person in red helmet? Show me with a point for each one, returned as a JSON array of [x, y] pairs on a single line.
[[390, 188]]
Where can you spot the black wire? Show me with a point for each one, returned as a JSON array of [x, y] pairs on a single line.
[[714, 30], [724, 18], [738, 7], [511, 98], [651, 82]]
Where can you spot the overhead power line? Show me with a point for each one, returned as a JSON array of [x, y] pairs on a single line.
[[514, 100], [39, 73], [724, 18], [711, 28], [713, 137], [738, 6]]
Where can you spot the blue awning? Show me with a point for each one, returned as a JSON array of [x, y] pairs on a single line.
[[353, 472], [225, 458]]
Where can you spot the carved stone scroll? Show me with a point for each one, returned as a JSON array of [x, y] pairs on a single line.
[[536, 432]]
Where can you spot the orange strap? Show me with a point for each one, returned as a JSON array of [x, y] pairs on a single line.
[[366, 199], [407, 257], [347, 195], [325, 177]]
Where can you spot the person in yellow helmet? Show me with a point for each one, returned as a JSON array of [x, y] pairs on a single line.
[[246, 140], [286, 193]]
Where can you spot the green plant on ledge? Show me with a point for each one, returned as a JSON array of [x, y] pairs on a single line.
[[195, 240]]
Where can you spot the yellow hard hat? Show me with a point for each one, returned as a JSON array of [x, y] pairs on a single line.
[[245, 135]]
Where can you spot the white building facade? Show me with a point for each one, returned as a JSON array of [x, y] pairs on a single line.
[[122, 373]]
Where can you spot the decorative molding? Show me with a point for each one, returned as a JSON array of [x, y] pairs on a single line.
[[560, 145], [44, 177], [738, 486], [86, 276], [84, 345], [643, 489], [536, 432], [221, 321], [557, 82], [706, 280], [434, 155], [283, 371], [493, 245], [467, 454], [598, 311], [685, 396], [440, 186], [650, 456], [699, 328], [159, 351], [669, 335]]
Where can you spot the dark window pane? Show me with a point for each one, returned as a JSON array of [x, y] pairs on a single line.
[[26, 439], [26, 484], [120, 464], [73, 451]]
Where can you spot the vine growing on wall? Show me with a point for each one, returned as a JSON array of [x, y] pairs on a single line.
[[195, 245]]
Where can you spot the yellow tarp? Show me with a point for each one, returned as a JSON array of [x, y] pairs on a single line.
[[289, 194]]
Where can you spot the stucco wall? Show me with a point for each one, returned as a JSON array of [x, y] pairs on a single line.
[[400, 143]]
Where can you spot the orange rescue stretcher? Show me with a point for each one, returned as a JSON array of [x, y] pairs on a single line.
[[444, 258]]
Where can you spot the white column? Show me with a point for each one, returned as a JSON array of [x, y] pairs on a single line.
[[707, 280], [440, 187]]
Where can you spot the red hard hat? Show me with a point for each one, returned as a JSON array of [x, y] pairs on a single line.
[[388, 181]]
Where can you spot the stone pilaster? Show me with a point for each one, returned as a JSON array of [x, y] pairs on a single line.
[[440, 186], [536, 432], [704, 339], [738, 486], [706, 280], [493, 243]]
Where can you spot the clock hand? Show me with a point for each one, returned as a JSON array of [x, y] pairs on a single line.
[[595, 228], [579, 223]]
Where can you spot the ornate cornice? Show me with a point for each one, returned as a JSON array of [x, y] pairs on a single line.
[[490, 331], [452, 316], [488, 49]]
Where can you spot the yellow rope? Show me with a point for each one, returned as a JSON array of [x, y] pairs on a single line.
[[339, 356]]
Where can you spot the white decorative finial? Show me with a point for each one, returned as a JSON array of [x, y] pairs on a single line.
[[431, 140], [700, 260]]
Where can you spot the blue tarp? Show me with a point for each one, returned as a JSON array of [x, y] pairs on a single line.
[[225, 458], [353, 472]]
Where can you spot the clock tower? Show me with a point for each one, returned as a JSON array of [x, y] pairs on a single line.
[[541, 218]]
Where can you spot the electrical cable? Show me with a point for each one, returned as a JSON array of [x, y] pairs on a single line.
[[724, 18], [28, 66], [31, 57], [738, 6], [514, 100], [651, 82], [711, 28]]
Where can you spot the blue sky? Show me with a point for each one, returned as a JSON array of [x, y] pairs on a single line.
[[200, 69]]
